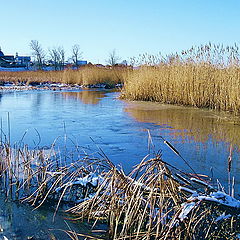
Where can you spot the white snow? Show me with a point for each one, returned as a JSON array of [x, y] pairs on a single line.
[[194, 193], [182, 178], [222, 217], [226, 199], [198, 181], [216, 197], [186, 209], [54, 173], [91, 178], [219, 197]]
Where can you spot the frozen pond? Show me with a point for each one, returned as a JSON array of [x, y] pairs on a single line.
[[120, 128]]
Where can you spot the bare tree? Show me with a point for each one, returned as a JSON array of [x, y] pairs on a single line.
[[54, 57], [76, 54], [113, 58], [38, 53], [57, 57], [61, 53]]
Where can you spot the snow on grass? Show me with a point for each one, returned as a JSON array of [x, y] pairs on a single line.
[[222, 217], [218, 197], [90, 179], [200, 182], [188, 190], [186, 209]]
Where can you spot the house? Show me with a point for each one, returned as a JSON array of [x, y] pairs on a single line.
[[9, 61], [23, 60], [6, 61]]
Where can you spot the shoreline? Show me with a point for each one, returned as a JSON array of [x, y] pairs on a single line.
[[53, 86]]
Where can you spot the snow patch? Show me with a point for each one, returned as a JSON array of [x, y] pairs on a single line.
[[186, 209], [222, 217], [91, 179], [218, 197]]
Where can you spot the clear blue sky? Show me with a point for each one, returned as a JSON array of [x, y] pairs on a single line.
[[131, 27]]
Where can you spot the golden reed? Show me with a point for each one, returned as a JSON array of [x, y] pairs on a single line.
[[84, 76], [206, 77]]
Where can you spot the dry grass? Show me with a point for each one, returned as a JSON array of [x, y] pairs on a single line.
[[84, 76], [149, 206], [206, 77], [148, 203], [94, 75]]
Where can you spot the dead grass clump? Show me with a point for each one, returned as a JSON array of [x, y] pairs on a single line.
[[155, 201]]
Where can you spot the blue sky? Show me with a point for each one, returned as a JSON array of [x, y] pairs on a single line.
[[131, 27]]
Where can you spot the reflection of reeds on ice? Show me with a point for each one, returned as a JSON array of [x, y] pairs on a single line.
[[189, 123]]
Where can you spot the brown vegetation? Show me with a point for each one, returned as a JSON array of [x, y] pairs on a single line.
[[83, 76], [155, 201], [206, 77]]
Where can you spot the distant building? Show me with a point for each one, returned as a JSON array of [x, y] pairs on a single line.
[[10, 61], [6, 60], [23, 60], [81, 62]]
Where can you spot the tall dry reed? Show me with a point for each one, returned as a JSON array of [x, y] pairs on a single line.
[[206, 77]]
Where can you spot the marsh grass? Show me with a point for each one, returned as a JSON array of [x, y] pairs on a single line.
[[83, 76], [206, 77], [147, 203], [155, 201]]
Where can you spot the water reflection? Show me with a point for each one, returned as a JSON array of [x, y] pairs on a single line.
[[37, 100], [87, 97], [189, 123]]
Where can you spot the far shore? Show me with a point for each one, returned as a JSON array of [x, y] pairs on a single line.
[[11, 86], [198, 77]]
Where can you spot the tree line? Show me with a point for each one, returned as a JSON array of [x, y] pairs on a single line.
[[56, 56]]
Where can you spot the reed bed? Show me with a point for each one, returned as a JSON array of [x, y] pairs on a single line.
[[156, 206], [88, 75], [204, 77], [41, 174], [155, 201]]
